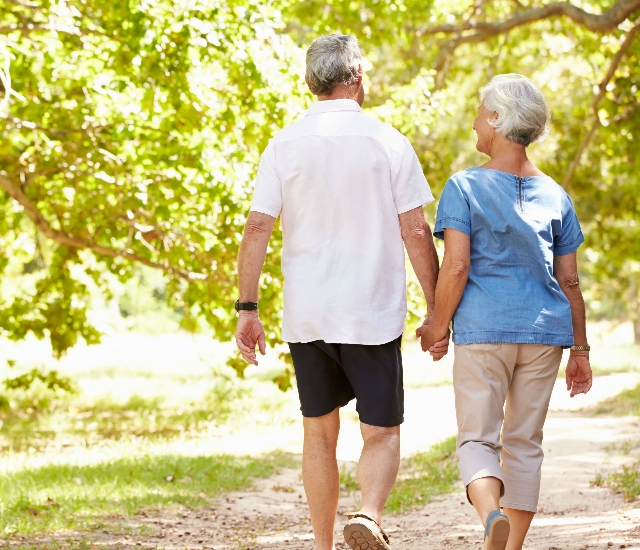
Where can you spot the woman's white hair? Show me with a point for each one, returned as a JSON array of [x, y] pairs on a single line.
[[332, 59], [523, 114]]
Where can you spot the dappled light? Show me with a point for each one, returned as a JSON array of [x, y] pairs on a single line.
[[131, 138]]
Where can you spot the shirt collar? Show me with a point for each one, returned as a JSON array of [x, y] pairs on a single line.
[[333, 105]]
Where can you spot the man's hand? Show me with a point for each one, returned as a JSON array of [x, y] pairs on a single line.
[[249, 332], [437, 346], [578, 375]]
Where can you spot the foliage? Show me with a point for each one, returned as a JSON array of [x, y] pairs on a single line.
[[33, 394], [134, 129], [132, 134], [35, 420], [62, 496]]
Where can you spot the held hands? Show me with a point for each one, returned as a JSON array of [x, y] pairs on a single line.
[[578, 375], [436, 344], [249, 332]]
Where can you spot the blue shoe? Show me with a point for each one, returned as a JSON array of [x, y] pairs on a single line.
[[497, 530]]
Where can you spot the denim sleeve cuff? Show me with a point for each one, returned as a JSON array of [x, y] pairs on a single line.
[[570, 247], [451, 223]]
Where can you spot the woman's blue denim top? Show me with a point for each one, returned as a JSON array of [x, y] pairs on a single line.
[[516, 226]]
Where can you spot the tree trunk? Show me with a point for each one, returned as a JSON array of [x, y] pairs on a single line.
[[636, 332]]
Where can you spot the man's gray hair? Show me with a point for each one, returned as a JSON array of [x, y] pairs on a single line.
[[523, 114], [332, 59]]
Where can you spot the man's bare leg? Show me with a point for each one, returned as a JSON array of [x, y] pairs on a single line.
[[320, 475], [378, 467]]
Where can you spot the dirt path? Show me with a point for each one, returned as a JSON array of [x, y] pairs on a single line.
[[273, 515]]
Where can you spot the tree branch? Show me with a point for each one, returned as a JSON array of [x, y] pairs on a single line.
[[479, 31], [602, 90], [73, 241], [600, 23]]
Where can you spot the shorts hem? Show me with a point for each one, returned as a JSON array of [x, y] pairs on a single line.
[[383, 424], [315, 414]]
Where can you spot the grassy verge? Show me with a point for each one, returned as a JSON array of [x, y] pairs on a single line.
[[421, 477], [626, 403], [84, 497], [35, 419], [625, 481]]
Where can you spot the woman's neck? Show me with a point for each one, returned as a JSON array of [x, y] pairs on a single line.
[[511, 157]]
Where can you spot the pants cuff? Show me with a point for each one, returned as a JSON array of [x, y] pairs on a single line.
[[517, 506]]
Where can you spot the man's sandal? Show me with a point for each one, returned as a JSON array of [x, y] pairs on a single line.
[[497, 530], [362, 532]]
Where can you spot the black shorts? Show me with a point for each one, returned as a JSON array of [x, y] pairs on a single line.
[[331, 375]]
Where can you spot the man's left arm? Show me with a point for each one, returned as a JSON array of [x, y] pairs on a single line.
[[418, 241], [253, 250]]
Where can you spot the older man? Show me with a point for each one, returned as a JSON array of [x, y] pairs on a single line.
[[348, 190]]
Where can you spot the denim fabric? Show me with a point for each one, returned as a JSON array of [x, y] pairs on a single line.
[[516, 226]]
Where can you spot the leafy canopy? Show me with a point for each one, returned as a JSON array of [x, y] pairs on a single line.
[[132, 131]]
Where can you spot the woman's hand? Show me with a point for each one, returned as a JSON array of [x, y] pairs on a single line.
[[578, 375], [438, 346]]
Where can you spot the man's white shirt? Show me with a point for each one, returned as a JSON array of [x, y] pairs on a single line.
[[338, 179]]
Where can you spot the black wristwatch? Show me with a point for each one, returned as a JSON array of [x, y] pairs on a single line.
[[246, 306]]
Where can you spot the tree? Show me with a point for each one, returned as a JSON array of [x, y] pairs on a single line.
[[132, 132]]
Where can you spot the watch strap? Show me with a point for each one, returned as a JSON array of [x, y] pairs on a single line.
[[246, 306], [581, 348]]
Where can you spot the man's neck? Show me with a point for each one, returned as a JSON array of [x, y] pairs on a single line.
[[340, 92]]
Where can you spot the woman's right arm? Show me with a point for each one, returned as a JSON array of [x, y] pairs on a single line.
[[452, 281], [579, 377]]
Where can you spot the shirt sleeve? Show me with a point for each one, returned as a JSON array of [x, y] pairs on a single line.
[[570, 237], [409, 187], [453, 211], [267, 195]]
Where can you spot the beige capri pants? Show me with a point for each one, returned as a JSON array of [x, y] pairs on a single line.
[[485, 376]]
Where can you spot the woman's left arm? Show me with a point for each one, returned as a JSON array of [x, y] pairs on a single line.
[[452, 281], [579, 377]]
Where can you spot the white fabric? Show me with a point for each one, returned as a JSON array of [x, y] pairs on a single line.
[[338, 179]]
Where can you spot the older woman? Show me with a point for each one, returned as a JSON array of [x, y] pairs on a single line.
[[509, 280]]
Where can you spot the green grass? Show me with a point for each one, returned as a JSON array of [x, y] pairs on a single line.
[[348, 480], [625, 481], [25, 427], [626, 403], [85, 496], [424, 476]]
